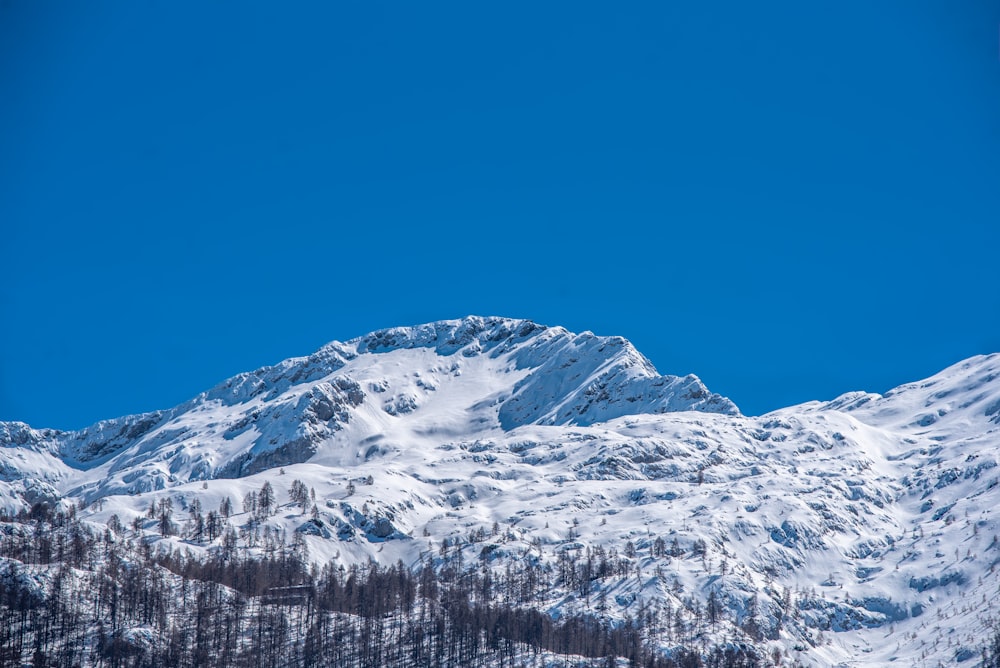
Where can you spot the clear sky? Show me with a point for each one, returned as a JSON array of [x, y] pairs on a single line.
[[789, 199]]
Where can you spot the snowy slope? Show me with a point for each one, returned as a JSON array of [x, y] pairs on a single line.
[[873, 515]]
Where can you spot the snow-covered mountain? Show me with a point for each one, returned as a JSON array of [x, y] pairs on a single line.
[[872, 516], [457, 378]]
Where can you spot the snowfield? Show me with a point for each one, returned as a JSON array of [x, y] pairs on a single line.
[[861, 531]]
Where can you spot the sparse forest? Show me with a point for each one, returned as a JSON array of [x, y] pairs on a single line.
[[72, 595]]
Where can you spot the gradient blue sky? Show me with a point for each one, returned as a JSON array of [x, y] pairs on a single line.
[[789, 199]]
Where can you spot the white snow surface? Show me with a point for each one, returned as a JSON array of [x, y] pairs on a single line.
[[877, 512]]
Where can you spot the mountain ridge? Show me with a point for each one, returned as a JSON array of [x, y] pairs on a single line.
[[299, 403]]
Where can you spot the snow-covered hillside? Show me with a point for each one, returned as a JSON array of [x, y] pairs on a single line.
[[856, 532]]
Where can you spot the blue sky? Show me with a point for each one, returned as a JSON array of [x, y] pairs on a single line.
[[791, 200]]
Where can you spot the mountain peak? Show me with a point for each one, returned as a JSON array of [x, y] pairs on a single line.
[[467, 377], [596, 370], [571, 378]]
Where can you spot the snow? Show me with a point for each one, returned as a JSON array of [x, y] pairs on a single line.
[[876, 512]]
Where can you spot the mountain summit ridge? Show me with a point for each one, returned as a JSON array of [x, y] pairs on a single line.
[[531, 374]]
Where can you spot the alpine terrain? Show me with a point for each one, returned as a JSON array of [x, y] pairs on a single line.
[[491, 491]]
